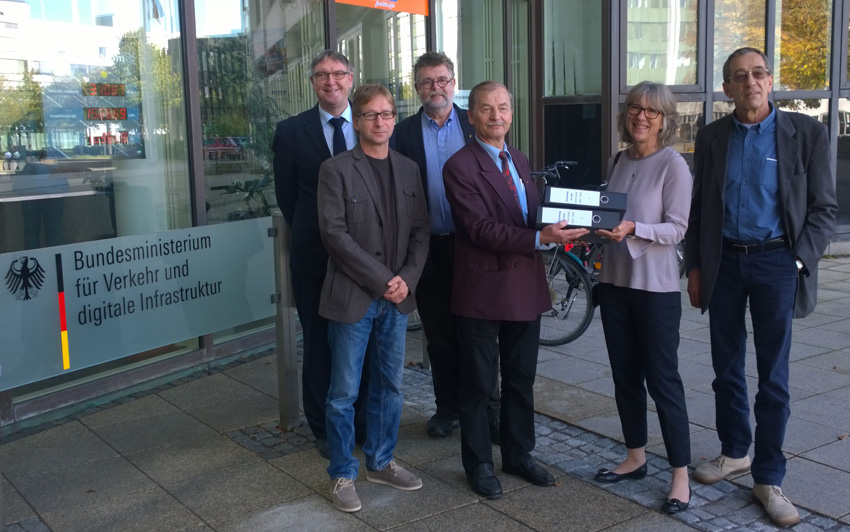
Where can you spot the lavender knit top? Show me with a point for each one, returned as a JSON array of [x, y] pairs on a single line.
[[659, 189]]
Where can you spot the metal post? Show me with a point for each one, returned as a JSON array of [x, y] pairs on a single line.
[[287, 359]]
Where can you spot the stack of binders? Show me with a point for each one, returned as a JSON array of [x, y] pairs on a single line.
[[593, 209]]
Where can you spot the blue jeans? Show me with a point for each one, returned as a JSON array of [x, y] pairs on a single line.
[[387, 328], [769, 281]]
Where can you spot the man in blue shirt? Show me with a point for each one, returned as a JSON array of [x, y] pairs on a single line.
[[431, 137], [762, 214]]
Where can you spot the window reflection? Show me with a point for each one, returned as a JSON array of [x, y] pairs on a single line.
[[93, 124], [572, 50], [842, 173], [689, 121], [254, 72], [803, 32], [737, 23], [661, 42], [382, 46]]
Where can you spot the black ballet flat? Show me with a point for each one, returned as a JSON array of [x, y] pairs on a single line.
[[609, 477], [674, 506]]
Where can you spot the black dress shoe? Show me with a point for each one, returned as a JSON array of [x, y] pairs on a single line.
[[674, 506], [441, 425], [323, 448], [531, 472], [495, 432], [484, 482], [609, 477]]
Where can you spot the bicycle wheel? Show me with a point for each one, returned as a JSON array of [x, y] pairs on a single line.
[[414, 322], [572, 309]]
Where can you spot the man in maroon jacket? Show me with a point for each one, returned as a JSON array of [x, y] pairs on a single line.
[[499, 291]]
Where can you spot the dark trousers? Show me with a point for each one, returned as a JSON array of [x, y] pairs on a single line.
[[769, 281], [434, 300], [484, 346], [642, 334], [316, 367]]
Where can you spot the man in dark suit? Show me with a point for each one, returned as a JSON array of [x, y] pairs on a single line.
[[430, 137], [374, 223], [301, 143], [499, 291], [762, 214]]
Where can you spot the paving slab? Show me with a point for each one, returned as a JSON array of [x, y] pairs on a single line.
[[82, 485], [239, 412], [143, 434], [143, 511], [228, 496], [54, 449], [476, 517], [307, 513], [835, 454], [184, 460], [260, 375], [210, 390], [145, 407]]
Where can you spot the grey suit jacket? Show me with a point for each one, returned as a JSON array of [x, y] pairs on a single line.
[[807, 195], [351, 221]]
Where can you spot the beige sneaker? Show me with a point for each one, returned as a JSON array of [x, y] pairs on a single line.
[[720, 468], [778, 507], [396, 476], [343, 494]]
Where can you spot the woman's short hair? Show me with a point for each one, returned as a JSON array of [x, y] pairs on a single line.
[[660, 97], [366, 93]]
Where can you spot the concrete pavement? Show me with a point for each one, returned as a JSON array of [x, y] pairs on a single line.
[[205, 453]]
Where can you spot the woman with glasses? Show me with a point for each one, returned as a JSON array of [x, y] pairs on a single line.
[[639, 292]]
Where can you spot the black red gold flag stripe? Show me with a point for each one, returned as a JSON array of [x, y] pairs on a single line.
[[63, 324]]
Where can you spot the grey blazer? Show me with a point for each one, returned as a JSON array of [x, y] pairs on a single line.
[[351, 220], [806, 187]]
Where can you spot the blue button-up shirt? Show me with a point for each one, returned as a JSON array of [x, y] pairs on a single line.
[[752, 182], [440, 144]]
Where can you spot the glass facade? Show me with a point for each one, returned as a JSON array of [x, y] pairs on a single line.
[[661, 42], [95, 122], [93, 129]]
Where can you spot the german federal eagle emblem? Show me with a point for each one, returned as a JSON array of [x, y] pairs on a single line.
[[25, 278]]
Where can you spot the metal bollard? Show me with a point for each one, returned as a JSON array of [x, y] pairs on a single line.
[[287, 359]]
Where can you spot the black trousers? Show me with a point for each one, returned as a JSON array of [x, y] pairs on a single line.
[[434, 300], [642, 334], [316, 367], [486, 345]]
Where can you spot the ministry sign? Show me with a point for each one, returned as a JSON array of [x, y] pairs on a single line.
[[69, 307]]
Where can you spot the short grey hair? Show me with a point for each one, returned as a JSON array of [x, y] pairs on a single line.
[[432, 59], [660, 97], [485, 87], [727, 66], [333, 55]]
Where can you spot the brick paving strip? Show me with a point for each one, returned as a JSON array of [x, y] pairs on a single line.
[[573, 450]]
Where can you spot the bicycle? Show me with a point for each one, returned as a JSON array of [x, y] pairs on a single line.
[[569, 277]]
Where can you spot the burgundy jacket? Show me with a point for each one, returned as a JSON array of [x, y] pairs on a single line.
[[498, 275]]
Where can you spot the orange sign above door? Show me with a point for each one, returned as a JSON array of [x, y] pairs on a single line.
[[417, 7]]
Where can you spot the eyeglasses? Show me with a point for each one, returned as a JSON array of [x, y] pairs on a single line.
[[742, 75], [440, 82], [323, 76], [650, 112], [372, 115]]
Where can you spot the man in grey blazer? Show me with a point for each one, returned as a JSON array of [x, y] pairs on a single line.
[[373, 221], [762, 214]]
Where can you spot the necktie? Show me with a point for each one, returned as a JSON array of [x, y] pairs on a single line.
[[506, 171], [339, 138]]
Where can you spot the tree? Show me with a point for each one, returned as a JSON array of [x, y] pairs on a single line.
[[804, 55]]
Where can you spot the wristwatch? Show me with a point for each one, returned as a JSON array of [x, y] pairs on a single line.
[[799, 265]]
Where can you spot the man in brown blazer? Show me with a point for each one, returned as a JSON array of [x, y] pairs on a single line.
[[499, 289], [373, 221]]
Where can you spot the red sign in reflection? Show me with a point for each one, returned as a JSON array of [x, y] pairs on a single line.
[[417, 7]]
